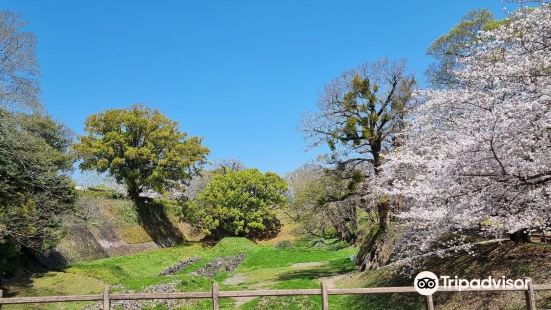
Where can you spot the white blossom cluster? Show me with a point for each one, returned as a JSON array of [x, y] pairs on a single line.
[[481, 151]]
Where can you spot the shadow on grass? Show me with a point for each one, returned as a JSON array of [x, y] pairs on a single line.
[[157, 225], [333, 268], [28, 264]]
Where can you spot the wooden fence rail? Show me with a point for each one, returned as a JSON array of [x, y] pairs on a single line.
[[215, 294]]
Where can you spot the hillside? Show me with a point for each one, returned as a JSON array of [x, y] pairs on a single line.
[[263, 266], [108, 245], [258, 266], [507, 259], [106, 224]]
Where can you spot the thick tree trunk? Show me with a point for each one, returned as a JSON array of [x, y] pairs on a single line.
[[134, 192], [383, 210], [373, 252]]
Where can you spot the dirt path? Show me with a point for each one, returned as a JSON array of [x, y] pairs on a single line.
[[241, 278], [332, 280]]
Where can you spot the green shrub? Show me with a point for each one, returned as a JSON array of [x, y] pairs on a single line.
[[238, 203]]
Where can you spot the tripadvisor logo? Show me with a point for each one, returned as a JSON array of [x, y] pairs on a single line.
[[426, 283]]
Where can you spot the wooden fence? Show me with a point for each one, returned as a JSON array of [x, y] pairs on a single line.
[[215, 294]]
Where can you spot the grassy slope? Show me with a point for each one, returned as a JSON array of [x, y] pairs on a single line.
[[108, 225], [264, 267], [268, 267], [508, 259]]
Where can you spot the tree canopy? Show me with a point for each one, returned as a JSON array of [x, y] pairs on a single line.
[[481, 150], [141, 149], [19, 87], [238, 203], [311, 190], [35, 192], [448, 49], [360, 112]]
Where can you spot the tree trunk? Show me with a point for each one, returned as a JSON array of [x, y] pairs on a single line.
[[383, 210], [372, 253], [133, 191]]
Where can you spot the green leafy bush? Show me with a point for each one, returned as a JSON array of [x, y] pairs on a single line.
[[238, 203]]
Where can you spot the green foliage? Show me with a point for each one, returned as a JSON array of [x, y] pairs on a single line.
[[307, 206], [361, 111], [359, 104], [141, 148], [238, 203], [318, 204], [448, 48], [34, 191]]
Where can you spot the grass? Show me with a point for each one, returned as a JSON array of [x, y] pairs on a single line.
[[268, 266], [264, 267]]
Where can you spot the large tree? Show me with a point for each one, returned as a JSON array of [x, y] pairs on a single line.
[[141, 149], [35, 191], [238, 203], [482, 150], [360, 114]]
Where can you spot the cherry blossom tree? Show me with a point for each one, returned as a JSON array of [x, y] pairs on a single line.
[[481, 150]]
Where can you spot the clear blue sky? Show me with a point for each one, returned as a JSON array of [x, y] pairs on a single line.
[[238, 73]]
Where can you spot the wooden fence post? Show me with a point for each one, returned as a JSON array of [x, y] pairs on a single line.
[[529, 293], [324, 296], [1, 298], [106, 301], [430, 304], [215, 299]]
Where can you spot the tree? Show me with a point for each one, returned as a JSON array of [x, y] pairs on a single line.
[[451, 47], [482, 149], [238, 203], [18, 67], [311, 188], [35, 192], [361, 113], [141, 148]]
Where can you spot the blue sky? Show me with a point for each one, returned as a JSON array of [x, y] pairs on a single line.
[[238, 73]]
